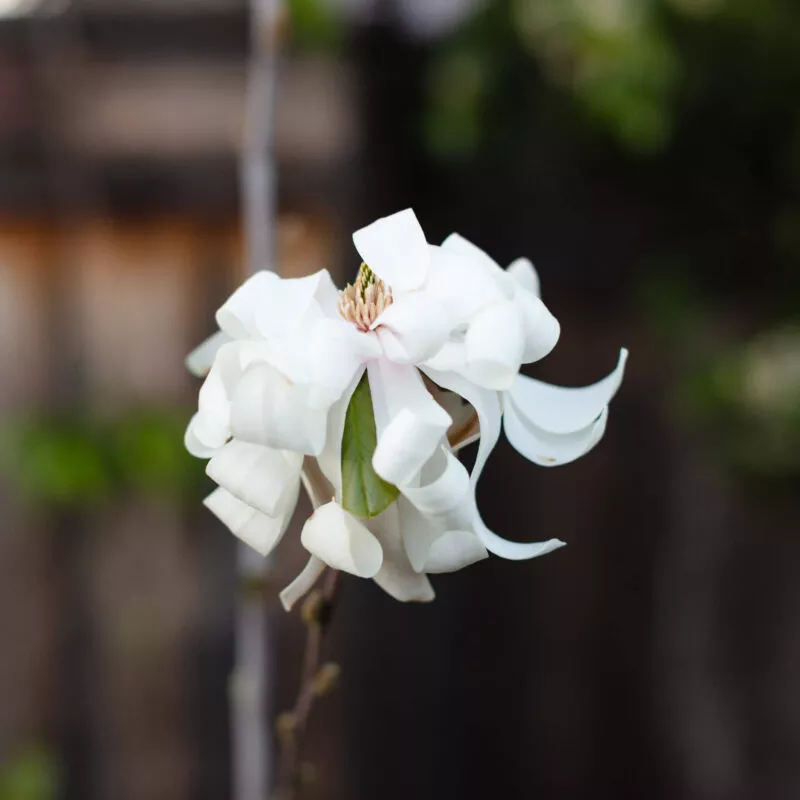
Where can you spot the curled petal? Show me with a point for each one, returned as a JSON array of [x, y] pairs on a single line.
[[295, 303], [461, 285], [550, 449], [418, 534], [319, 363], [318, 488], [487, 406], [257, 475], [237, 315], [202, 438], [302, 584], [516, 551], [453, 551], [395, 249], [541, 328], [413, 328], [525, 276], [559, 409], [267, 409], [341, 541], [494, 344], [397, 577], [209, 428], [456, 243], [451, 358], [199, 361], [337, 350], [410, 423], [260, 531], [333, 355], [446, 489], [439, 544]]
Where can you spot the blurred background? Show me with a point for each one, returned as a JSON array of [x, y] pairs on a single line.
[[645, 154]]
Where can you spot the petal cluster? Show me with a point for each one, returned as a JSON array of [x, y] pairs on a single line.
[[440, 332]]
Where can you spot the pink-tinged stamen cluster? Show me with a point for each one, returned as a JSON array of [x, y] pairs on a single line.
[[365, 300]]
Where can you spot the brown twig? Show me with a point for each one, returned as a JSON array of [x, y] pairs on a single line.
[[316, 680]]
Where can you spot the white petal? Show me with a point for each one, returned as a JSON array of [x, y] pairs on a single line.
[[559, 409], [258, 530], [196, 446], [443, 491], [456, 243], [422, 535], [453, 551], [319, 361], [236, 317], [487, 406], [337, 349], [199, 361], [451, 358], [334, 353], [410, 423], [418, 533], [295, 303], [395, 249], [341, 541], [541, 328], [303, 583], [397, 577], [267, 409], [516, 551], [525, 275], [257, 475], [318, 488], [494, 345], [209, 428], [550, 449], [420, 326], [460, 284]]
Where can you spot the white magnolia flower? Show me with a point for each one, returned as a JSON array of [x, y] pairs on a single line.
[[363, 396]]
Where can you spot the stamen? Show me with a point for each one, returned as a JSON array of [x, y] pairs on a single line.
[[365, 300]]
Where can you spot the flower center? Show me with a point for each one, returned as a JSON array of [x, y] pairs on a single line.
[[364, 301]]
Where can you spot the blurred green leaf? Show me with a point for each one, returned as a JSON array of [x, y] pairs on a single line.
[[60, 462], [34, 775], [316, 24], [149, 452], [82, 462]]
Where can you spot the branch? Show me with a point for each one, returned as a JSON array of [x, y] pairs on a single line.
[[316, 680]]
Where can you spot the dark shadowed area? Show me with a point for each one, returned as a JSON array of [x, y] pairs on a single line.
[[645, 155]]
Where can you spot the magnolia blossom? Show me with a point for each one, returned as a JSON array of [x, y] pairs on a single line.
[[438, 335]]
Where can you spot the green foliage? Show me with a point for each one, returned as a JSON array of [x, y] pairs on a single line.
[[744, 396], [613, 56], [315, 24], [149, 453], [364, 493], [456, 86], [79, 461], [33, 775], [634, 69], [58, 462]]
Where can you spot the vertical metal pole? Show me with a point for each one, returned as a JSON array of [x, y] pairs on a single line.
[[251, 731]]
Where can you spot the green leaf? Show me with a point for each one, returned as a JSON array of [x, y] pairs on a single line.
[[364, 493]]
